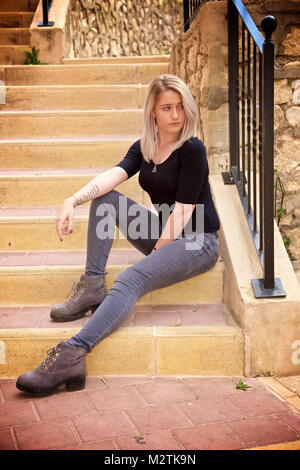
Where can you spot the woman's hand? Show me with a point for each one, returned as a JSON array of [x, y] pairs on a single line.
[[65, 215], [175, 224]]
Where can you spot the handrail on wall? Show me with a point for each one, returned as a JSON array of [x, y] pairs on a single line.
[[46, 7]]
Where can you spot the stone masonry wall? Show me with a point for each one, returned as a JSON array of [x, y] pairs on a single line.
[[112, 28], [199, 56]]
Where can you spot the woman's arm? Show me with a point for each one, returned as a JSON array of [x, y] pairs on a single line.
[[175, 224], [98, 186]]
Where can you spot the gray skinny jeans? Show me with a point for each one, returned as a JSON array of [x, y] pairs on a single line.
[[171, 263]]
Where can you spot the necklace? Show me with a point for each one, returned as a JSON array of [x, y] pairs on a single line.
[[154, 169]]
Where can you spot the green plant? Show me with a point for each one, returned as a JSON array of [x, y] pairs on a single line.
[[241, 386], [287, 241], [278, 186], [280, 213], [32, 57]]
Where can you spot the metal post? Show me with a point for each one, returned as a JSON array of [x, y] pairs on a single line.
[[46, 7], [233, 89], [268, 25], [268, 286], [186, 15]]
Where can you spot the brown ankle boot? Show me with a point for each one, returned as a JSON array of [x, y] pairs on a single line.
[[64, 365], [89, 292]]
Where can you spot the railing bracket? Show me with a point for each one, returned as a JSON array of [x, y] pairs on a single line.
[[228, 177], [260, 291], [46, 7], [42, 25]]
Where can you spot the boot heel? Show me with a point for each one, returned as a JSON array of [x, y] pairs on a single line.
[[76, 383], [93, 309]]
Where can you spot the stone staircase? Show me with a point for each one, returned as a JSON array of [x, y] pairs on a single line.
[[60, 126], [15, 20]]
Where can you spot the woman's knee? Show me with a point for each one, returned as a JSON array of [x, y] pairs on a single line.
[[131, 282], [109, 197], [106, 205]]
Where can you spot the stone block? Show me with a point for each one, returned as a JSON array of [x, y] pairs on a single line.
[[51, 41], [125, 352], [282, 92], [296, 92], [279, 118], [293, 116], [271, 326], [290, 46], [199, 351], [215, 127]]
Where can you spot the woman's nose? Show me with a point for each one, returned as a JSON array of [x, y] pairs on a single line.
[[174, 113]]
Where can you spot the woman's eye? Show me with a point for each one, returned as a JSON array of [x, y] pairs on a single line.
[[167, 108]]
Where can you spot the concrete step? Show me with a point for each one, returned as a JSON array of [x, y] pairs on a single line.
[[64, 152], [18, 5], [51, 187], [14, 36], [33, 229], [74, 97], [81, 74], [176, 339], [21, 19], [182, 329], [120, 60], [52, 274], [46, 124], [13, 55]]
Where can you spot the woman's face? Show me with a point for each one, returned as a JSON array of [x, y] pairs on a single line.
[[169, 113]]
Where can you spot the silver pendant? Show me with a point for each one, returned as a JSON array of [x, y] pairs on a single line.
[[154, 169]]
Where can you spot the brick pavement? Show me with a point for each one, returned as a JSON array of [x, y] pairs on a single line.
[[148, 413]]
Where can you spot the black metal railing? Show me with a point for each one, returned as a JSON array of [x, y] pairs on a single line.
[[46, 7], [190, 8], [251, 133]]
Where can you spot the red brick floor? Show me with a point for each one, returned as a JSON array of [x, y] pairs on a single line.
[[147, 413]]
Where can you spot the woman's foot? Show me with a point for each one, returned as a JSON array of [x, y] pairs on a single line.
[[63, 365], [89, 292]]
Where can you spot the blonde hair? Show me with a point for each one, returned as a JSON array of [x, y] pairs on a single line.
[[159, 85]]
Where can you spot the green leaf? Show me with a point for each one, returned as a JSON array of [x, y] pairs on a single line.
[[32, 57], [241, 386]]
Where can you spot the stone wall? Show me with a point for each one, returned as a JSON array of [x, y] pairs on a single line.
[[112, 28], [199, 56]]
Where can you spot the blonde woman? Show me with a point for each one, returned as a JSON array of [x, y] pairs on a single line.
[[179, 241]]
